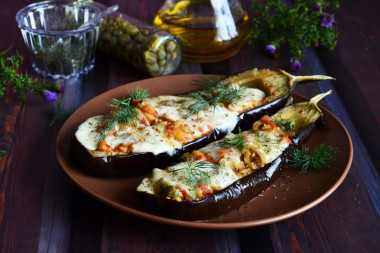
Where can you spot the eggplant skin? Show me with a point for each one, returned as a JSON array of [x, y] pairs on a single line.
[[230, 198], [142, 163], [134, 164]]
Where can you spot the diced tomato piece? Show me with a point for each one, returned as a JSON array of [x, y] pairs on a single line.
[[135, 101], [287, 140], [103, 146], [149, 109], [123, 148], [226, 152], [150, 114], [245, 136], [203, 156], [185, 195], [268, 120], [198, 155], [169, 125], [127, 148], [205, 189], [180, 131], [100, 128], [144, 122]]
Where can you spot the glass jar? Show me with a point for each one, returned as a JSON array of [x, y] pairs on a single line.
[[61, 43], [210, 30], [147, 48]]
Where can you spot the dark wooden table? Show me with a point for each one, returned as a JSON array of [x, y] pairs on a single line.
[[42, 211]]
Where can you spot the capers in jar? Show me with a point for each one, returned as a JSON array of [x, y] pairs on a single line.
[[147, 48]]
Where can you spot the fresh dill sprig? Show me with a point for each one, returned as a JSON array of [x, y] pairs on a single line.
[[196, 175], [318, 160], [10, 76], [212, 93], [288, 125], [2, 154], [229, 93], [138, 93], [237, 141], [126, 112], [207, 84], [203, 101]]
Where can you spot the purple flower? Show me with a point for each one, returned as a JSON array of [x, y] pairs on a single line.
[[269, 49], [50, 96], [327, 21], [296, 65], [317, 7]]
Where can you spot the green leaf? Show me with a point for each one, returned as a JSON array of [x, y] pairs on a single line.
[[10, 76], [296, 26], [5, 51]]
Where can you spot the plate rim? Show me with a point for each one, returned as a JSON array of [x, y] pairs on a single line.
[[203, 224]]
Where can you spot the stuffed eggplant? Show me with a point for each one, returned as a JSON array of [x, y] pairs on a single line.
[[141, 133], [226, 174]]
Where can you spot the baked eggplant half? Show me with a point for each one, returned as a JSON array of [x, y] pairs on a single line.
[[226, 174], [141, 133]]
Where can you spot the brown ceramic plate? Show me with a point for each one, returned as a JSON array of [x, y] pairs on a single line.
[[290, 195]]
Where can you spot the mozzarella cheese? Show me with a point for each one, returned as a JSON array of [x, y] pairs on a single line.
[[155, 137], [174, 182], [251, 99]]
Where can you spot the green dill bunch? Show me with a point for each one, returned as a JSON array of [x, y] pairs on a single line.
[[21, 83], [297, 26], [318, 160], [123, 111], [211, 92], [195, 171]]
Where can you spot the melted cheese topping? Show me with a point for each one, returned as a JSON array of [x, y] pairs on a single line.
[[172, 128], [260, 148], [251, 99]]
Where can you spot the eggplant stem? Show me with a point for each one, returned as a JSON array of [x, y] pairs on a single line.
[[294, 79], [315, 100]]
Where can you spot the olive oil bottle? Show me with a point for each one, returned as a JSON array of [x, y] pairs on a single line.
[[210, 30]]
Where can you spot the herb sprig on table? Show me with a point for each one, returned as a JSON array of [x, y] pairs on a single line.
[[211, 93], [195, 174], [297, 26], [318, 160], [126, 112], [11, 77]]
